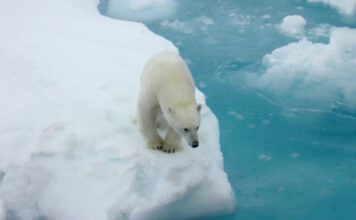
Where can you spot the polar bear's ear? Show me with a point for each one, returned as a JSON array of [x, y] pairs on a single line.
[[199, 107]]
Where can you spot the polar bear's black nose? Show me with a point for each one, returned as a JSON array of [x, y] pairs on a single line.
[[195, 144]]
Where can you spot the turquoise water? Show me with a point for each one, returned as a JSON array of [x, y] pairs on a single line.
[[283, 162]]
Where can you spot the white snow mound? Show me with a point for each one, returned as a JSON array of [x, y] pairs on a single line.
[[69, 147], [314, 73]]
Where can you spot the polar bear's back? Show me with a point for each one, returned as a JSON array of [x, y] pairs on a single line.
[[166, 69]]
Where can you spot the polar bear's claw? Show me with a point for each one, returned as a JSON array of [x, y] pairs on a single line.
[[156, 145], [168, 150]]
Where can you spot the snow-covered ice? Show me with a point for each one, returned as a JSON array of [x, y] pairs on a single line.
[[293, 26], [315, 73], [2, 211], [345, 7], [69, 147]]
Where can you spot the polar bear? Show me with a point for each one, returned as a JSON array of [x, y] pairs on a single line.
[[168, 91]]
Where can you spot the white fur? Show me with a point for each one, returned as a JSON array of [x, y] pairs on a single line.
[[167, 88]]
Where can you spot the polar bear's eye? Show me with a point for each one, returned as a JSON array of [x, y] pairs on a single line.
[[186, 129]]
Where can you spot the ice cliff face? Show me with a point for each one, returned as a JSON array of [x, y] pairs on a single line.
[[69, 147]]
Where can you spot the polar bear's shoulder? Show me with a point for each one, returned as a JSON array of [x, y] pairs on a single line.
[[165, 58], [166, 67]]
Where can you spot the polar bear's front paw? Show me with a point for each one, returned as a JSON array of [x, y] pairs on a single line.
[[170, 147], [156, 144]]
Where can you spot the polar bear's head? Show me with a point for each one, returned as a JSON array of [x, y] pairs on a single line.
[[185, 121]]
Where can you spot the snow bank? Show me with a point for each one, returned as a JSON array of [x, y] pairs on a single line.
[[314, 73], [345, 7], [293, 26], [141, 10], [69, 147]]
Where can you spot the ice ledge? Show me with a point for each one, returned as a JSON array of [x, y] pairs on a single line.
[[190, 183]]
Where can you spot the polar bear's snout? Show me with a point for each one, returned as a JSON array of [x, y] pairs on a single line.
[[195, 144], [192, 138]]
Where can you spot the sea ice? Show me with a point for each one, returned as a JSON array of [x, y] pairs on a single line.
[[69, 146], [345, 7], [141, 10], [293, 26], [318, 74]]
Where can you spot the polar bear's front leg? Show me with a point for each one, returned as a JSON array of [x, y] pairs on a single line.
[[147, 126], [171, 142]]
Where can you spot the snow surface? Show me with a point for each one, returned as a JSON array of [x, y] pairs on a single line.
[[141, 10], [345, 7], [315, 73], [293, 26], [2, 211], [69, 147]]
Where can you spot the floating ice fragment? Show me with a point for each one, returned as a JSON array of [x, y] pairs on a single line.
[[141, 10], [313, 74], [205, 20], [177, 25], [202, 85], [293, 26], [239, 117], [264, 157], [231, 113], [266, 17], [295, 155], [266, 122], [322, 30], [251, 125], [345, 7]]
